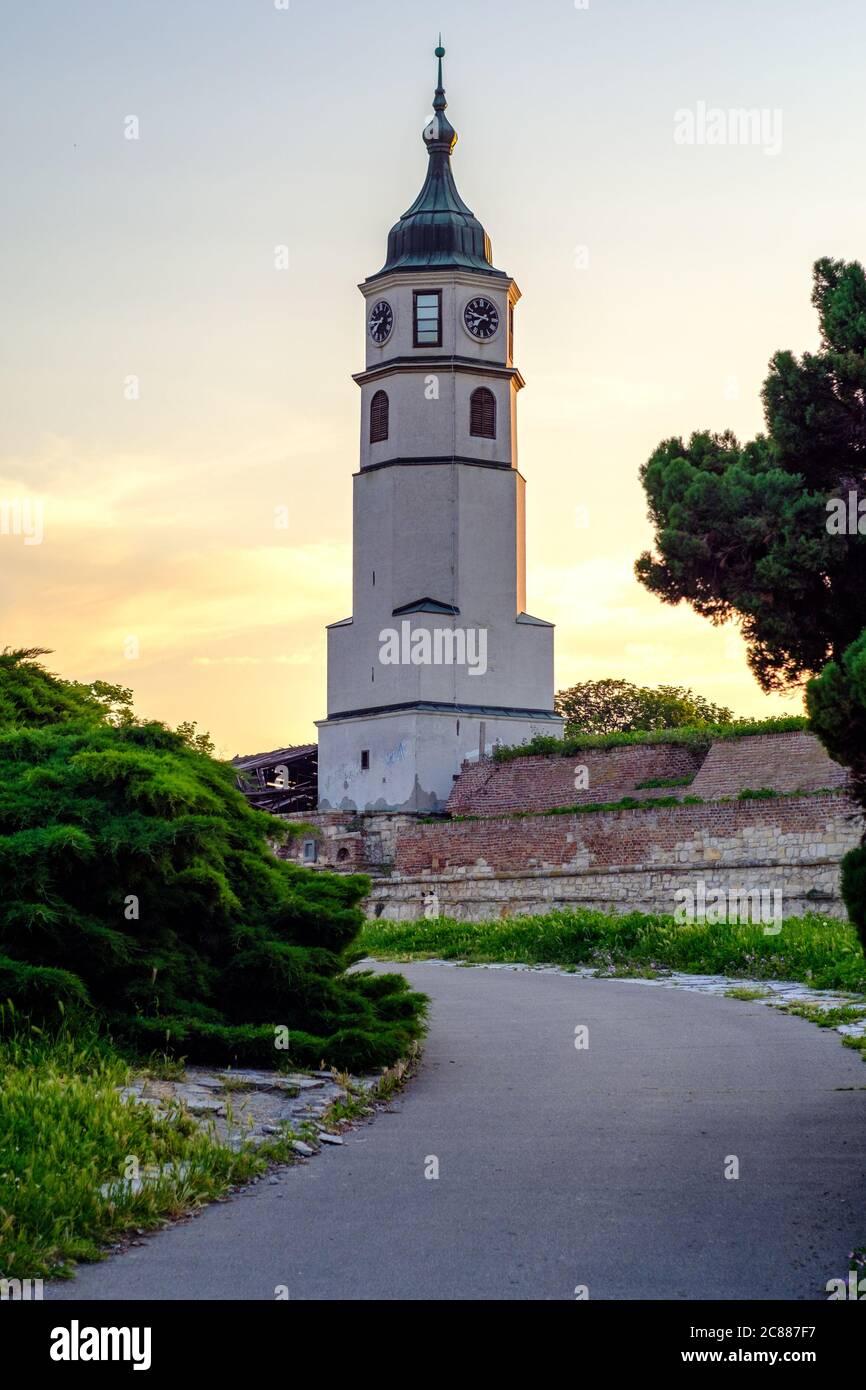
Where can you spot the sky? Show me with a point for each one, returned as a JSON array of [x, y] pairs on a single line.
[[178, 412]]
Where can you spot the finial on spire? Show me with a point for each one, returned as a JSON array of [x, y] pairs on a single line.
[[439, 134], [439, 102]]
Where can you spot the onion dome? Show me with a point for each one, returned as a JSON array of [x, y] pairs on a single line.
[[439, 231]]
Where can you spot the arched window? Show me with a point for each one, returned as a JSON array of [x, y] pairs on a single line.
[[482, 413], [379, 417]]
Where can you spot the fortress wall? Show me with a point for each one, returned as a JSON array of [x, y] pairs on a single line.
[[782, 762], [623, 861], [539, 784], [502, 860]]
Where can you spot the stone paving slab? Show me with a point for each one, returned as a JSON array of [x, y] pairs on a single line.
[[246, 1106]]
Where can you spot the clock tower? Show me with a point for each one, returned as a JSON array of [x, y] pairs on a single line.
[[439, 661]]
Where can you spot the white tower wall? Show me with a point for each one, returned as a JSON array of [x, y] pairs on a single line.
[[439, 658]]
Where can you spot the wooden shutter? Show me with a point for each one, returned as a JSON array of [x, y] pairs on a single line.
[[379, 417], [482, 413]]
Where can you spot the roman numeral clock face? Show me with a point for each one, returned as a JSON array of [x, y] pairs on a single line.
[[481, 318], [381, 321]]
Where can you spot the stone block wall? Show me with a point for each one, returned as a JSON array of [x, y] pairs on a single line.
[[348, 841], [620, 861]]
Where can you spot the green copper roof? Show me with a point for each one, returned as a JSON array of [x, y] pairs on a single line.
[[439, 231]]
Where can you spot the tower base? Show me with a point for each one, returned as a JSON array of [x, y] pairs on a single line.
[[405, 758]]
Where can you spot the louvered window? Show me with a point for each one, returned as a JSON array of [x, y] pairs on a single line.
[[379, 417], [482, 413]]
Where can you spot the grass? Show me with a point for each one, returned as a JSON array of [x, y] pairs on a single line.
[[161, 1067], [745, 993], [658, 782], [230, 1083], [826, 1018], [69, 1145], [66, 1134], [582, 808], [617, 970], [359, 1101], [633, 803], [822, 952], [699, 736]]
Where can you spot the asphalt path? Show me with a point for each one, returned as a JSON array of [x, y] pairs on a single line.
[[563, 1170]]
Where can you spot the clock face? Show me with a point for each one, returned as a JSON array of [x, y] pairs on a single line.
[[381, 321], [481, 318]]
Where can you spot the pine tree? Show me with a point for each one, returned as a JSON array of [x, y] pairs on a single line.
[[773, 532]]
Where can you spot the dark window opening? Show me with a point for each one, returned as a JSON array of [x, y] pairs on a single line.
[[482, 413], [427, 318], [365, 759], [379, 417], [342, 855]]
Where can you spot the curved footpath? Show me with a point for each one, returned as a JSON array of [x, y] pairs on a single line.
[[558, 1166]]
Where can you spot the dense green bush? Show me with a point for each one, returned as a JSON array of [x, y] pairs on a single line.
[[139, 885], [854, 888], [836, 701]]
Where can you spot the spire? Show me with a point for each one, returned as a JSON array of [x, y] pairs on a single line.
[[439, 230], [439, 134], [440, 90]]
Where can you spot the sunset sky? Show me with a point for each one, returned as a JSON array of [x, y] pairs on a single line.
[[260, 127]]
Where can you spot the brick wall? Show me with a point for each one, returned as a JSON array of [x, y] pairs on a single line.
[[782, 762], [809, 825], [538, 784], [623, 860]]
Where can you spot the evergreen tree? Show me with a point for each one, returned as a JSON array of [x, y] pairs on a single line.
[[139, 885], [773, 532]]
